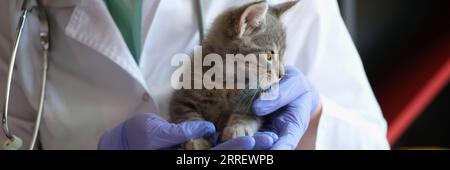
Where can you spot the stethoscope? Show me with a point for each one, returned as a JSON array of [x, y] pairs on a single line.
[[14, 142]]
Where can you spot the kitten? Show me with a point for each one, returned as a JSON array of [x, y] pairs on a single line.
[[254, 28]]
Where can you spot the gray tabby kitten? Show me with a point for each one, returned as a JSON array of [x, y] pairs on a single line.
[[254, 28]]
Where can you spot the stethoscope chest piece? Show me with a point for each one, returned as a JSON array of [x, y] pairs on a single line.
[[15, 143]]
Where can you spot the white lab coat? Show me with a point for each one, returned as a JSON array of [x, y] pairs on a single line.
[[94, 82]]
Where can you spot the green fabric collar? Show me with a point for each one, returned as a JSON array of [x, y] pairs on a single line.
[[127, 16]]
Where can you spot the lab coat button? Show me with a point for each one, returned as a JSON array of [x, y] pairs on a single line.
[[146, 97]]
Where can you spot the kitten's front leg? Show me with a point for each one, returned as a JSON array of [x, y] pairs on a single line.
[[193, 144], [197, 144], [241, 125]]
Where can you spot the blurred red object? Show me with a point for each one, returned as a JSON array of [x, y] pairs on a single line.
[[420, 74], [412, 87]]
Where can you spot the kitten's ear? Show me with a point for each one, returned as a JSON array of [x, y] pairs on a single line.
[[280, 9], [253, 18]]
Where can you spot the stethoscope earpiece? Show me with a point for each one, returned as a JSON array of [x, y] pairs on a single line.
[[13, 144]]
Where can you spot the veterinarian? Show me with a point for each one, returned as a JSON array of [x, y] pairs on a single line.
[[107, 85]]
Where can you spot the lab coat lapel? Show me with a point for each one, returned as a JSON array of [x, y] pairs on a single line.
[[149, 9], [92, 25]]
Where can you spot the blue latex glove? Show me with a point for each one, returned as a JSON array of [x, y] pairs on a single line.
[[291, 111], [148, 131]]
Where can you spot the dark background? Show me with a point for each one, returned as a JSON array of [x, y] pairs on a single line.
[[385, 33]]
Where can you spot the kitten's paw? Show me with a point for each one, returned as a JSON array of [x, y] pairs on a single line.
[[197, 144], [238, 130]]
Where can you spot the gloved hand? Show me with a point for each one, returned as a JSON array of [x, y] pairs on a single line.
[[291, 111], [148, 131]]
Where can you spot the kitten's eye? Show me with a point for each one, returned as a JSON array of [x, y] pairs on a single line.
[[272, 52]]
